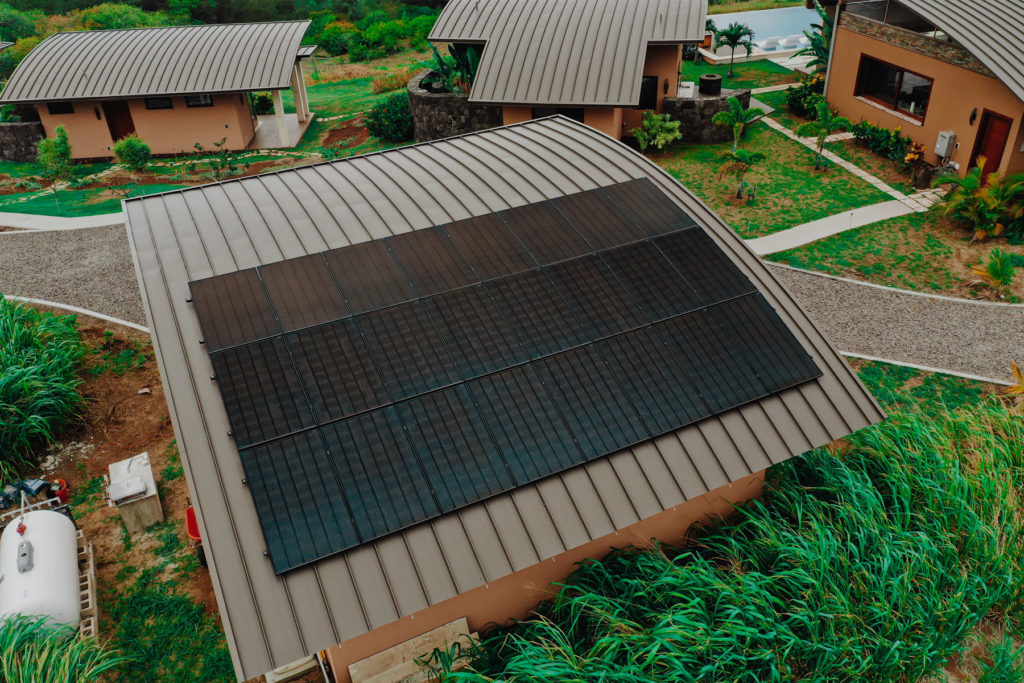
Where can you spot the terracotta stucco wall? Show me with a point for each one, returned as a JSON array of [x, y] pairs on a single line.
[[167, 131], [956, 92], [608, 120], [513, 114], [86, 127], [172, 131], [662, 61], [513, 596]]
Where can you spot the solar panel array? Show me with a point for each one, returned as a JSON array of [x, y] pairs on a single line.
[[376, 386]]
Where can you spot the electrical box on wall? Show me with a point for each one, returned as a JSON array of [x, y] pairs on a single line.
[[945, 144]]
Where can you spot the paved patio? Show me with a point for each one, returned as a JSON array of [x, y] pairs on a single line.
[[268, 135]]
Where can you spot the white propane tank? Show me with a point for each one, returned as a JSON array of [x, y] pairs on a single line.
[[39, 569]]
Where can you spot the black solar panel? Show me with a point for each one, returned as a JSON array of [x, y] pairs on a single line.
[[545, 232], [303, 292], [428, 371], [299, 499], [233, 309], [490, 247], [262, 392], [431, 261], [369, 276], [648, 207]]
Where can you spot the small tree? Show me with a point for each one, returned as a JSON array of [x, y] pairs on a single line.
[[736, 118], [733, 36], [739, 163], [133, 154], [54, 157], [827, 124], [656, 130]]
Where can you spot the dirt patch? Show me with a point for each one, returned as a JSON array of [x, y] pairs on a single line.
[[350, 133], [125, 414]]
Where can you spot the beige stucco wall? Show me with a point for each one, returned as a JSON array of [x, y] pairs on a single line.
[[167, 131], [513, 596], [608, 120], [956, 92]]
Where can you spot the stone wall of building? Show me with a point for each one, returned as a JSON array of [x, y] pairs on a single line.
[[893, 35], [442, 115], [695, 114], [18, 140]]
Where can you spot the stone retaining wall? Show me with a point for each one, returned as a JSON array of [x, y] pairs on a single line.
[[695, 114], [18, 140], [442, 115]]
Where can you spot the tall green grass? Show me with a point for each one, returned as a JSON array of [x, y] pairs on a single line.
[[871, 565], [33, 651], [39, 359]]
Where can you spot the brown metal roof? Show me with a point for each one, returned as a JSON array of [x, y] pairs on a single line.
[[172, 60], [976, 24], [566, 52], [187, 235]]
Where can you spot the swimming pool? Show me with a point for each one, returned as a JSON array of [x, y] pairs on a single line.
[[768, 23]]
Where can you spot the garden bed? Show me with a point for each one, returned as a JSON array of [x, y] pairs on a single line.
[[920, 251], [788, 190]]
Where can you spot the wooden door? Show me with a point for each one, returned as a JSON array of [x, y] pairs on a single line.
[[993, 134], [119, 119]]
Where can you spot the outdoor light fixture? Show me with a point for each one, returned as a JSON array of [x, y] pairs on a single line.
[[666, 86], [974, 115]]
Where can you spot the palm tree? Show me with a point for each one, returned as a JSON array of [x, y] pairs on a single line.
[[827, 124], [820, 36], [738, 163], [733, 36], [736, 118]]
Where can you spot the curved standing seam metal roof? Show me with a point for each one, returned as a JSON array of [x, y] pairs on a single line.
[[566, 52], [173, 60], [186, 235], [991, 30]]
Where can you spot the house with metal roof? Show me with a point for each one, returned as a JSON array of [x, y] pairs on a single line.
[[413, 388], [949, 73], [601, 62], [172, 86]]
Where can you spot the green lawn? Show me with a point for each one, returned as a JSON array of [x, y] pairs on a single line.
[[728, 6], [777, 100], [919, 251], [342, 98], [72, 202], [789, 191], [757, 74]]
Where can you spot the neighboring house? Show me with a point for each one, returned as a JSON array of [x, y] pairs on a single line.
[[419, 385], [601, 62], [930, 66], [172, 86]]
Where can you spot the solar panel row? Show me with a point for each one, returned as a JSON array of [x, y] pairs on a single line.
[[283, 297], [435, 369]]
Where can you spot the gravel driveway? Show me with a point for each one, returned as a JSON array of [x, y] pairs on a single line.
[[89, 267], [954, 335], [92, 268]]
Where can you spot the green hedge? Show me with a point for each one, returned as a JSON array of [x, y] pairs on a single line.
[[891, 144], [40, 355], [391, 119]]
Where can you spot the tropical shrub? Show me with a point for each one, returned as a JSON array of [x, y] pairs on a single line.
[[54, 157], [992, 206], [337, 38], [891, 144], [40, 355], [820, 37], [657, 131], [33, 650], [262, 103], [998, 271], [874, 563], [803, 100], [456, 72], [391, 119], [385, 35], [8, 114], [133, 154]]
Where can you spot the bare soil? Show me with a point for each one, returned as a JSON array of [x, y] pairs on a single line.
[[348, 134]]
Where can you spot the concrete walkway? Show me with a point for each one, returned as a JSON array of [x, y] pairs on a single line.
[[826, 227], [29, 221], [974, 338]]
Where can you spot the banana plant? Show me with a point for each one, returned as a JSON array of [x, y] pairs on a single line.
[[820, 36]]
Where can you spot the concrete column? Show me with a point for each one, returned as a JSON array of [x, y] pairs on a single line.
[[282, 126], [298, 93], [302, 87]]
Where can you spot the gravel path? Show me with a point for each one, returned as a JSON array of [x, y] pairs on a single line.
[[90, 267], [954, 335]]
